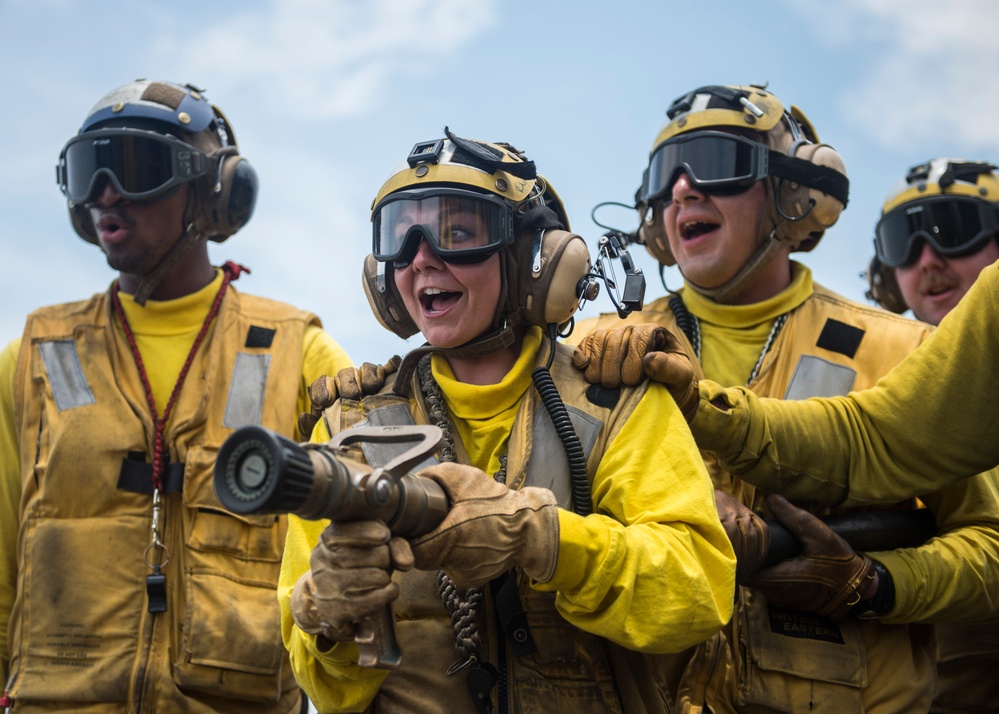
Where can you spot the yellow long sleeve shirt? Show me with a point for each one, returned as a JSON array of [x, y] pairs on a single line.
[[927, 424], [828, 345], [952, 578]]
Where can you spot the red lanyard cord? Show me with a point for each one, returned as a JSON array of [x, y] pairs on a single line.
[[231, 271]]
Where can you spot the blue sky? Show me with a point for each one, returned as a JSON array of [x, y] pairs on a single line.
[[328, 96]]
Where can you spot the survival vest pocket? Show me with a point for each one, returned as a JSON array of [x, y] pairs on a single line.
[[791, 657], [210, 527], [230, 632], [231, 640], [75, 633]]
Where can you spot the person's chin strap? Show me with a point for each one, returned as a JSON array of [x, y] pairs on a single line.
[[180, 249], [766, 252], [479, 347]]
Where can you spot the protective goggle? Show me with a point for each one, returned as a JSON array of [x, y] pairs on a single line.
[[141, 165], [460, 226], [953, 225], [717, 163]]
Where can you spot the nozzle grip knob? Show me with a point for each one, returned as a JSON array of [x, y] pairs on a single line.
[[260, 471]]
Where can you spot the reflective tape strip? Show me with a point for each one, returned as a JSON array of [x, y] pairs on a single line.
[[816, 377], [548, 466], [245, 403], [69, 385], [378, 454]]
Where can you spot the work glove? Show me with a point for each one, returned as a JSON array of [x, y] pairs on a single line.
[[350, 579], [827, 578], [350, 383], [489, 529], [628, 355], [747, 531]]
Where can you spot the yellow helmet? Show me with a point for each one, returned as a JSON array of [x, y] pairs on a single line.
[[728, 137], [953, 204], [542, 263], [945, 177]]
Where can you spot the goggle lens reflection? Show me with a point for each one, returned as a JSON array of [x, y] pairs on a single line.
[[953, 225], [141, 164], [716, 162], [460, 226]]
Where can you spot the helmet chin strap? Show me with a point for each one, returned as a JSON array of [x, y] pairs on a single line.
[[487, 344], [768, 249], [180, 249]]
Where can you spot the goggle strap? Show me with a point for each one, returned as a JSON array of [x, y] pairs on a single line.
[[491, 162], [968, 171], [537, 217], [821, 178]]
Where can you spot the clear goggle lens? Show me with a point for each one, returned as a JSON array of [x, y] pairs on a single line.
[[716, 162], [953, 225], [140, 164], [460, 226]]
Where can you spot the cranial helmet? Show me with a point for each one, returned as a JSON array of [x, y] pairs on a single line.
[[148, 137], [542, 263], [728, 137], [953, 204]]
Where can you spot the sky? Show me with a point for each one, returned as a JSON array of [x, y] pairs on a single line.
[[327, 97]]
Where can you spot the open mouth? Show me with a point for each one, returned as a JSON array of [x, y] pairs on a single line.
[[110, 225], [437, 300], [111, 222], [934, 287], [693, 229]]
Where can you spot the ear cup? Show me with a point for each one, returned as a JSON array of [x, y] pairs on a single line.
[[652, 234], [550, 279], [384, 299], [814, 210], [227, 206], [882, 287], [825, 209]]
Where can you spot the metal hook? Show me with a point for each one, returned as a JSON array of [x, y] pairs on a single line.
[[166, 555]]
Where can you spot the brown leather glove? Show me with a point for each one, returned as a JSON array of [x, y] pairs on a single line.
[[827, 578], [349, 383], [627, 355], [366, 380], [489, 529], [747, 531], [350, 579]]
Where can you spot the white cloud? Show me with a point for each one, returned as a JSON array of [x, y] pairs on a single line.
[[929, 71], [330, 58]]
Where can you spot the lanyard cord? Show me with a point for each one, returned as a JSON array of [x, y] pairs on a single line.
[[774, 331], [231, 271], [691, 327]]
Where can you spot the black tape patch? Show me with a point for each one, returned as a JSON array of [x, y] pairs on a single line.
[[259, 336], [803, 625], [839, 337], [137, 476], [603, 397]]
